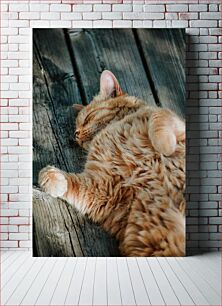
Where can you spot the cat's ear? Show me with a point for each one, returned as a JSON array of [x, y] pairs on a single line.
[[109, 86], [78, 107]]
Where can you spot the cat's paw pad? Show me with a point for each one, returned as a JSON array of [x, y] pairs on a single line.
[[53, 181]]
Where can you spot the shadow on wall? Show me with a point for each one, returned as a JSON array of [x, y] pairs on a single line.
[[193, 172]]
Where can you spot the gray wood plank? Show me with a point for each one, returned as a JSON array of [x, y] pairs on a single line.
[[113, 285], [181, 293], [152, 288], [116, 50], [210, 294], [100, 283], [86, 295], [139, 289], [167, 291], [126, 289], [191, 287], [55, 89], [164, 54]]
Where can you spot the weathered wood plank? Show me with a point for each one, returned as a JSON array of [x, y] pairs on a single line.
[[164, 54], [55, 89], [60, 231], [115, 50]]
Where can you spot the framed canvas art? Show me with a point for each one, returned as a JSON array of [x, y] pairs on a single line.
[[109, 142]]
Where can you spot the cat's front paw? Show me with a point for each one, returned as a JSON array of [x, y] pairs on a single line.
[[53, 181]]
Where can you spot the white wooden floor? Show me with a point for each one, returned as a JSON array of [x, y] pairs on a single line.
[[110, 281]]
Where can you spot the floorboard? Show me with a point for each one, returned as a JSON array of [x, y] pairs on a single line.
[[110, 281]]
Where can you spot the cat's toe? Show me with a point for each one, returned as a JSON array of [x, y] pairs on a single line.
[[53, 181]]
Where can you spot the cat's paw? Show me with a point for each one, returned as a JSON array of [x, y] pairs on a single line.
[[53, 181]]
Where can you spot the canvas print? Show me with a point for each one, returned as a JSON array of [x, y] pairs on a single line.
[[109, 142]]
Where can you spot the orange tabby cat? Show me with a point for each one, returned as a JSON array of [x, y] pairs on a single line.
[[134, 178]]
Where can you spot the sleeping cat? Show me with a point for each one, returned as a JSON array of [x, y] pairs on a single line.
[[134, 178]]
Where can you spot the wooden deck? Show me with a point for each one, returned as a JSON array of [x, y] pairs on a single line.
[[110, 281], [66, 69]]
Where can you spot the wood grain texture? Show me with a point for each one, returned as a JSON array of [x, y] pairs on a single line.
[[59, 230], [164, 56], [116, 50]]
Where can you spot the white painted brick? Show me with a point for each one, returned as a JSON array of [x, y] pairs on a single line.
[[138, 23], [92, 15], [37, 7], [29, 15], [9, 173], [24, 212], [19, 71], [171, 16], [82, 24], [147, 23], [203, 23], [24, 126], [9, 31], [122, 23], [207, 15], [71, 16], [179, 23], [188, 16], [18, 55], [4, 7], [18, 23], [24, 229], [60, 7], [102, 23], [22, 7], [9, 212], [9, 63], [38, 24], [162, 23], [9, 142], [9, 228], [19, 102], [17, 39], [51, 16], [18, 236], [25, 244], [9, 244], [102, 7], [13, 47], [9, 126], [4, 220], [154, 8], [121, 7], [82, 8], [138, 15], [60, 24], [137, 8], [25, 31], [18, 150], [19, 197], [197, 7], [19, 220], [112, 15], [177, 8], [213, 7]]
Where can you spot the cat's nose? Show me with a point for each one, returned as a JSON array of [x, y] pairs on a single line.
[[77, 133]]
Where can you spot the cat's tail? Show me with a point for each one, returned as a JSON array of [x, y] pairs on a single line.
[[165, 130]]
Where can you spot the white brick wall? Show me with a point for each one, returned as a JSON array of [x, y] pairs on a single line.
[[201, 20]]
